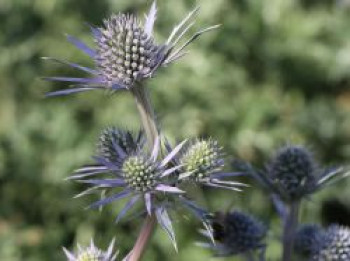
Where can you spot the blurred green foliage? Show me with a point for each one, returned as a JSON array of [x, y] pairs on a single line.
[[276, 71]]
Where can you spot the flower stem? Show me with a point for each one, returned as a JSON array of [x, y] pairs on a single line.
[[290, 226], [146, 112], [144, 236]]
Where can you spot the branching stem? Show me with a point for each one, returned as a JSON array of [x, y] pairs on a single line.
[[147, 117]]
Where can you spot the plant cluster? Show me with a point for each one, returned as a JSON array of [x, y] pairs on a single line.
[[156, 174]]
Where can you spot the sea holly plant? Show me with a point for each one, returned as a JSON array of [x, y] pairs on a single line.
[[291, 176], [154, 174], [143, 167]]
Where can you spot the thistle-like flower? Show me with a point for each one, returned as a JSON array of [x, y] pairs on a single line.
[[137, 173], [202, 162], [236, 233], [336, 246], [309, 240], [91, 253], [125, 139], [293, 174], [126, 52]]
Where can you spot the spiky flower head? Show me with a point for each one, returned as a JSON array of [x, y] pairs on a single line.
[[337, 245], [91, 253], [126, 52], [293, 174], [140, 174], [202, 158], [127, 141], [202, 162], [293, 169], [309, 239], [237, 233]]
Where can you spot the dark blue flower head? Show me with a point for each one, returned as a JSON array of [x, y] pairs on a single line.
[[125, 139], [293, 174], [91, 253], [132, 172], [237, 233], [309, 239], [293, 171], [126, 52], [336, 246], [202, 161]]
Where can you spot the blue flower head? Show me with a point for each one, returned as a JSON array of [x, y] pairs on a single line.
[[202, 162], [309, 240], [128, 142], [336, 246], [236, 233], [134, 172], [125, 52], [293, 174], [293, 171]]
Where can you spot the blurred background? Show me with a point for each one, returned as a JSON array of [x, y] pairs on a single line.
[[276, 72]]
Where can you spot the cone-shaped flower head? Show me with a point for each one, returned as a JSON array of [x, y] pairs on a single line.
[[91, 253], [125, 139], [293, 174], [237, 233], [140, 173], [202, 158], [293, 170], [337, 245], [135, 173], [126, 52], [309, 239], [203, 161]]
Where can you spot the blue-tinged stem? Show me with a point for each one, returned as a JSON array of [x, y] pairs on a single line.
[[290, 226], [149, 124]]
